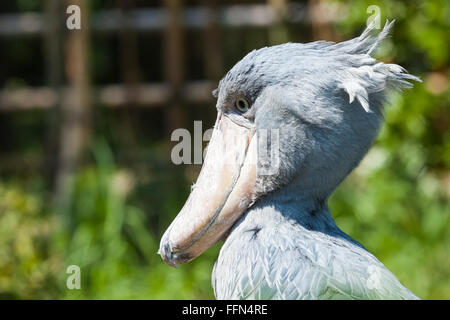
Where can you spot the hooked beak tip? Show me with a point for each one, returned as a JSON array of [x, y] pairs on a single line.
[[166, 255], [220, 196]]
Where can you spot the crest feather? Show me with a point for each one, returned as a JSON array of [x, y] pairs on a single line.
[[364, 75]]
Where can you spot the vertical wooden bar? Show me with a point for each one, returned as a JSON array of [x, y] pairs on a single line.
[[52, 39], [76, 106], [129, 51], [320, 30], [129, 61], [53, 42], [278, 32], [212, 47], [214, 63], [174, 64]]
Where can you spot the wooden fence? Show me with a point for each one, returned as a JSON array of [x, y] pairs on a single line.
[[171, 19], [69, 103]]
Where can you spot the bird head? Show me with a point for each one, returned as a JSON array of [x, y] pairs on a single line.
[[292, 114]]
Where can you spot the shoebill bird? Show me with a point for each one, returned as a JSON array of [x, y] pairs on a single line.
[[319, 106]]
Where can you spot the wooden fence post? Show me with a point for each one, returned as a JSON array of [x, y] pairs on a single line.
[[213, 49], [53, 63], [174, 64], [278, 32], [129, 61], [321, 30], [76, 106]]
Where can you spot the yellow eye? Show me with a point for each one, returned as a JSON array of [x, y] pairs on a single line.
[[242, 105]]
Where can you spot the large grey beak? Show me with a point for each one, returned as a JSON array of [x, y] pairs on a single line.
[[223, 191]]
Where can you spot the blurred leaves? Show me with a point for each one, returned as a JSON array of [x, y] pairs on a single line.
[[27, 264], [110, 239]]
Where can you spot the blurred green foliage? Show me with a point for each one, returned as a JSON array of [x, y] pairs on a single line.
[[396, 203], [109, 239], [27, 263]]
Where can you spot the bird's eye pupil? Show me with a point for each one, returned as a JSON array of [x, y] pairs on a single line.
[[242, 105]]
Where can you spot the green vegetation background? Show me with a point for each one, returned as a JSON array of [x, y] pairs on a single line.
[[395, 203]]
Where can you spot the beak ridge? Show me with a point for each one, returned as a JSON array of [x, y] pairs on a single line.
[[221, 194]]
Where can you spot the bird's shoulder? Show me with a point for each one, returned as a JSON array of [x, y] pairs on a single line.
[[305, 265]]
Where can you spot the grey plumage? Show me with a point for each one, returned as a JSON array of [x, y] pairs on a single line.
[[327, 101], [292, 255]]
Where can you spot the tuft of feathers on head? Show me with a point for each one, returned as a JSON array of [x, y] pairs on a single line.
[[364, 75]]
